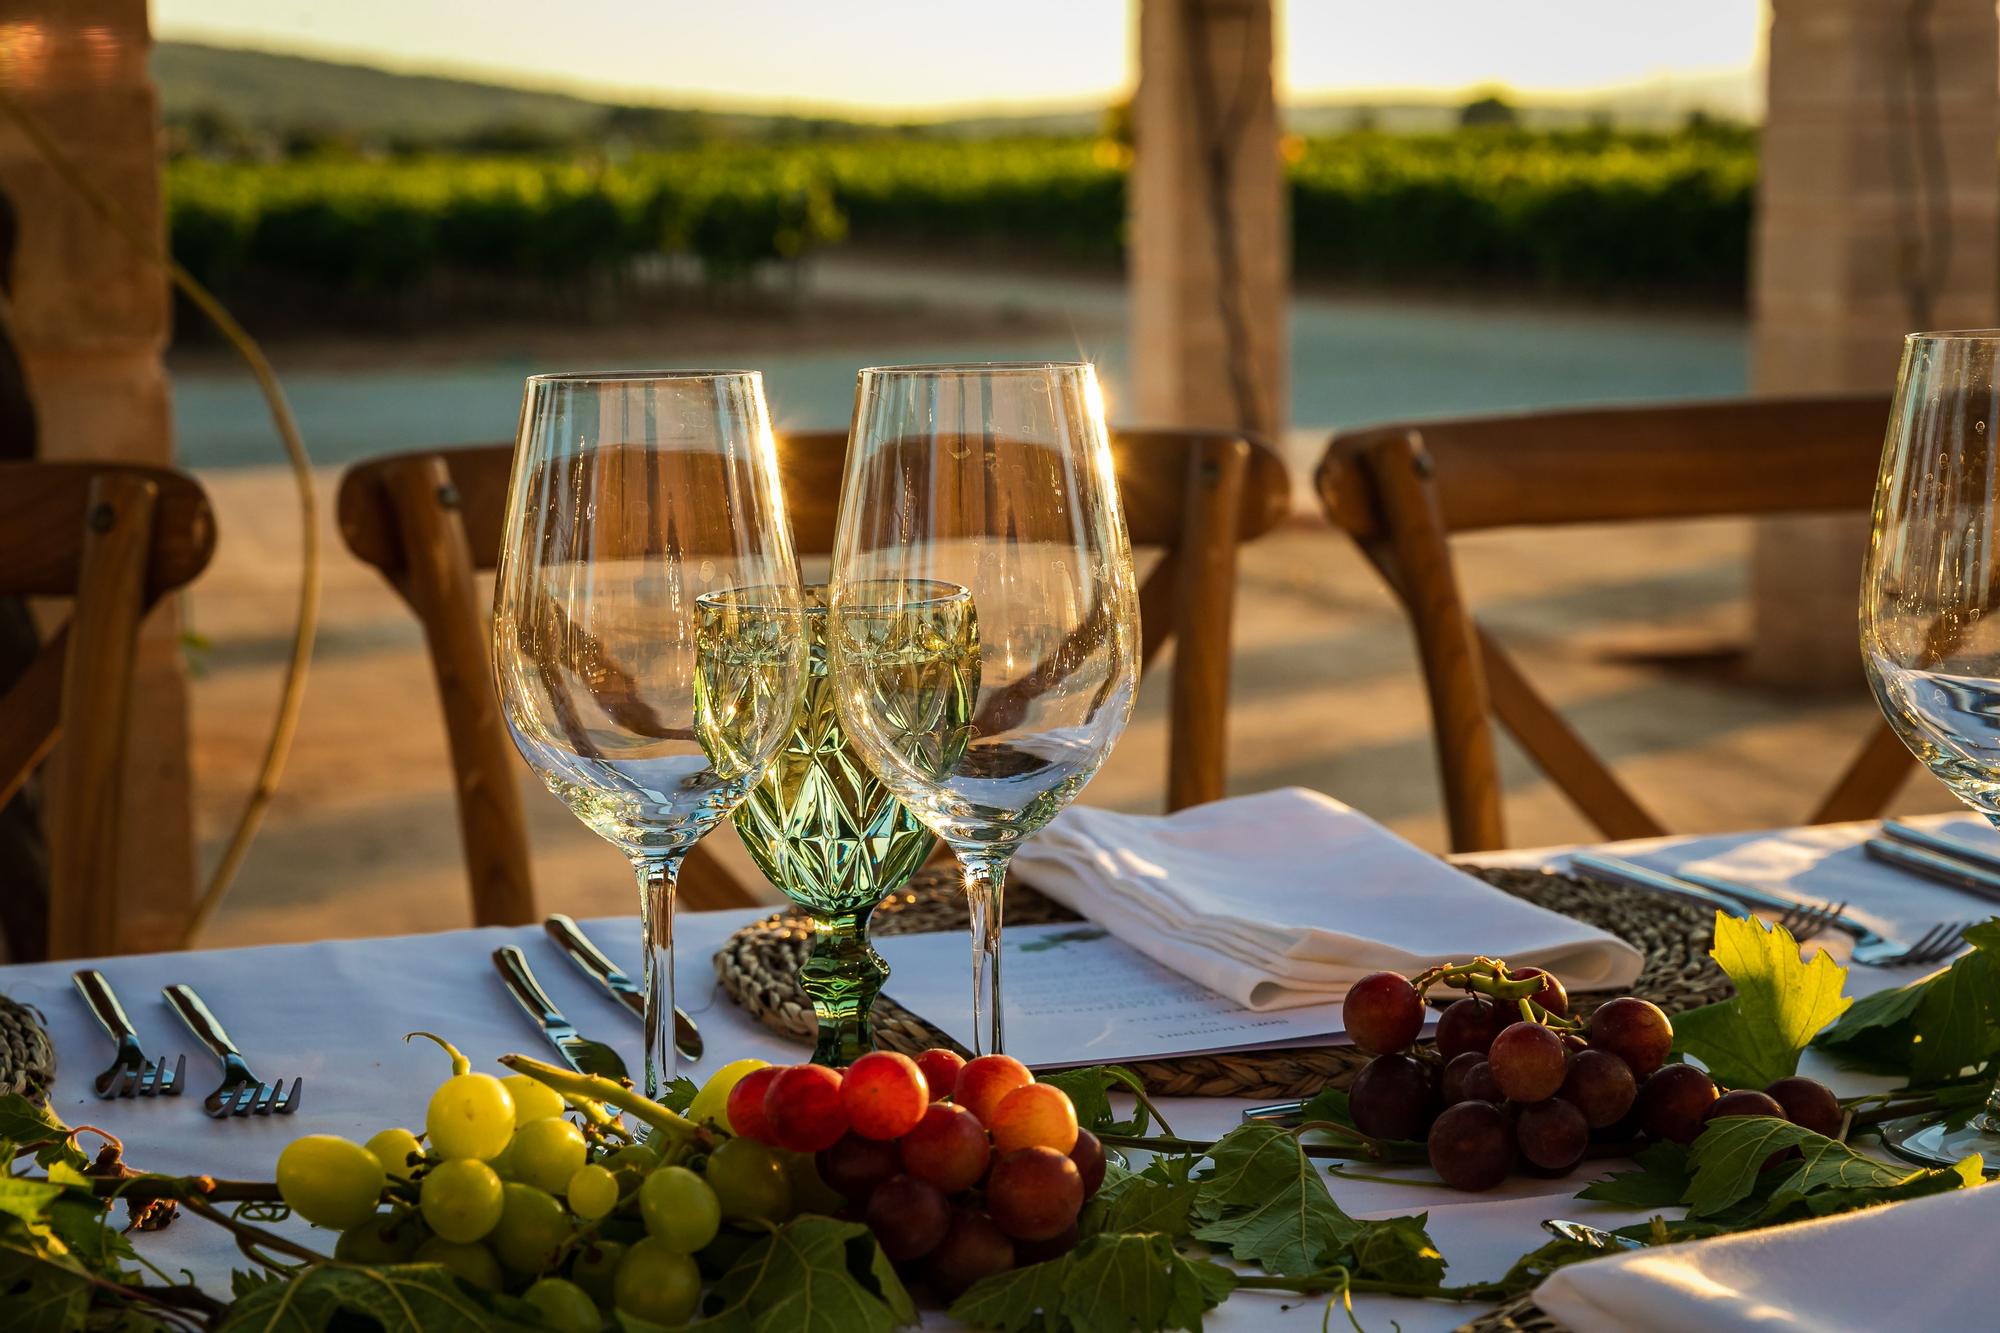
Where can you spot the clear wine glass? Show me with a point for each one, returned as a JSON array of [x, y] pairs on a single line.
[[1929, 632], [986, 714], [632, 496]]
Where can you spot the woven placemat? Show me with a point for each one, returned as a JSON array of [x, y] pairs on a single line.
[[758, 966], [27, 1060]]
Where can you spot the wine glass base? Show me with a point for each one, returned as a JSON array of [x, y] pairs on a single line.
[[1928, 1141]]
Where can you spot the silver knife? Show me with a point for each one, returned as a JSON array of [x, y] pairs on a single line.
[[590, 959], [578, 1052], [1619, 870], [1944, 844], [1936, 867]]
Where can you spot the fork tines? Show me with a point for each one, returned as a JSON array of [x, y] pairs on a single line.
[[262, 1099], [160, 1080], [152, 1078], [1936, 944]]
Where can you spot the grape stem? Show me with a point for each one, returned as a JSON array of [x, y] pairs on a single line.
[[590, 1087], [1489, 976]]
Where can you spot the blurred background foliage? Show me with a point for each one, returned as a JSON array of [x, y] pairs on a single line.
[[376, 198]]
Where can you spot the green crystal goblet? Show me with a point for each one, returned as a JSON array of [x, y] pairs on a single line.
[[824, 830]]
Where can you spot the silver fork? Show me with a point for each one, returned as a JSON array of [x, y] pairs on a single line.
[[1935, 945], [240, 1092], [131, 1073], [1801, 920]]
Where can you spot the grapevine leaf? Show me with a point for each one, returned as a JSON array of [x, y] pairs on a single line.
[[1729, 1157], [812, 1275], [1825, 1202], [1933, 1028], [1396, 1249], [678, 1095], [398, 1298], [27, 1125], [1107, 1284], [1089, 1090], [1141, 1203], [1781, 1004], [1018, 1300], [1331, 1104], [1660, 1182], [1118, 1282], [1263, 1201], [46, 1290]]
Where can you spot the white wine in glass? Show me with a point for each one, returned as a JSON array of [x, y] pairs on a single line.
[[1930, 614], [632, 496], [985, 714]]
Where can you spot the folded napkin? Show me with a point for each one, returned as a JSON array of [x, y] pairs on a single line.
[[1289, 897], [1924, 1264]]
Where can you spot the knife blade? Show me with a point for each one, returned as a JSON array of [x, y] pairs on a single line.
[[590, 960], [577, 1051], [1938, 867], [1943, 844]]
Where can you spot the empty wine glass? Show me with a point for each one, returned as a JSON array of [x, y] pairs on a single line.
[[632, 496], [1929, 632], [986, 714]]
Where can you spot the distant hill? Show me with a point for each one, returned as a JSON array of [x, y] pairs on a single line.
[[268, 91]]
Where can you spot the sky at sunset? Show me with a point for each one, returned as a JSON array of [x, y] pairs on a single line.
[[888, 57]]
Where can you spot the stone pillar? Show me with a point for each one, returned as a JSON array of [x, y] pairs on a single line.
[[91, 314], [1878, 213], [1210, 245]]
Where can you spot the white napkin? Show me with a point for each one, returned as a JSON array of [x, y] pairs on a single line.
[[1289, 897], [1923, 1264]]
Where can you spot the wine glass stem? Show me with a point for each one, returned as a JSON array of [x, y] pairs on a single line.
[[985, 886], [656, 924]]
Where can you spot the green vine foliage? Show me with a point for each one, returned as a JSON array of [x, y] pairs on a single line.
[[1160, 1247]]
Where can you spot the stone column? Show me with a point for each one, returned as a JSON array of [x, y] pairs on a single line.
[[1210, 245], [1878, 213], [91, 314]]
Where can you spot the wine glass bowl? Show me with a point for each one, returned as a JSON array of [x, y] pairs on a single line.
[[632, 495], [1930, 638], [985, 716]]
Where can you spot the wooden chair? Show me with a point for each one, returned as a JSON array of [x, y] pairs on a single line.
[[429, 521], [1403, 491], [114, 538]]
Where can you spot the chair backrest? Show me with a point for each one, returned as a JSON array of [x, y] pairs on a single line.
[[113, 538], [429, 521], [1402, 491]]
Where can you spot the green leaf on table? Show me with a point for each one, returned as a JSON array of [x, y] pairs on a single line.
[[678, 1095], [27, 1125], [1396, 1249], [1089, 1090], [1331, 1104], [1264, 1202], [1660, 1182], [1933, 1028], [1106, 1284], [46, 1288], [1781, 1004], [812, 1275], [396, 1298], [1142, 1202], [1828, 1176]]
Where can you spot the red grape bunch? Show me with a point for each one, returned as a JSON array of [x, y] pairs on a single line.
[[961, 1169], [1516, 1082]]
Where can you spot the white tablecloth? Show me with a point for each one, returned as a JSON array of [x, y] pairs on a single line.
[[333, 1013]]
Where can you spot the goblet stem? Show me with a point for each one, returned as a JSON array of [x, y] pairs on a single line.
[[985, 886], [657, 874], [843, 977]]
